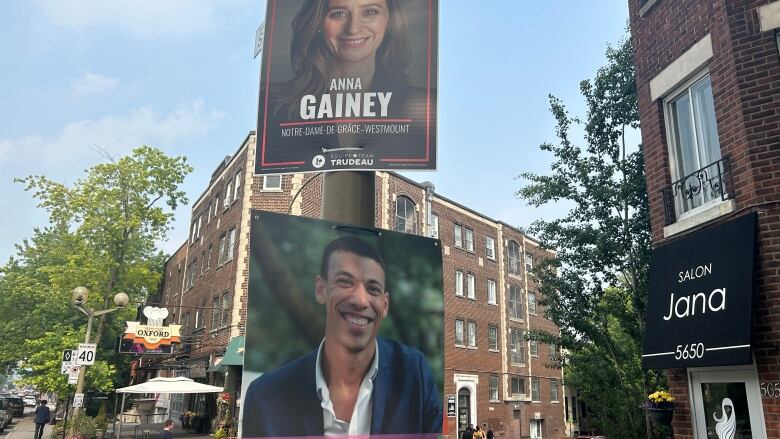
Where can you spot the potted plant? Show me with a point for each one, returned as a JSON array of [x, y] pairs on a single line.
[[101, 422], [660, 407], [81, 427]]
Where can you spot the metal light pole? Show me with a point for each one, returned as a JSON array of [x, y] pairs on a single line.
[[80, 295]]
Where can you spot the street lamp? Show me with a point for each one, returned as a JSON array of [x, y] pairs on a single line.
[[80, 295]]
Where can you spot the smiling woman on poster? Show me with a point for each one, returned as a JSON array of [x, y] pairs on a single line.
[[349, 85]]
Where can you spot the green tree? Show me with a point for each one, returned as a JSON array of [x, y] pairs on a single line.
[[102, 234], [596, 286]]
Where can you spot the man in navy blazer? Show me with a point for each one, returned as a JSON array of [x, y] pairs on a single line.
[[355, 383]]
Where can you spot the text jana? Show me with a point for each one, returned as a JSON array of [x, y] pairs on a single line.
[[687, 305]]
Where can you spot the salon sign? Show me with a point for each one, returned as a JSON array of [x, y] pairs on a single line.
[[153, 334], [699, 298]]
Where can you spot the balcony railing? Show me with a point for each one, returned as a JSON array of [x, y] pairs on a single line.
[[710, 183]]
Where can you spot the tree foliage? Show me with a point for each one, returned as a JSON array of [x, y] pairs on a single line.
[[596, 286], [102, 234]]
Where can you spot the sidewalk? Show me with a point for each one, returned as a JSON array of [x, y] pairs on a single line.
[[24, 428]]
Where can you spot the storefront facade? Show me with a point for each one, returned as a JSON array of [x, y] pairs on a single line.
[[708, 79]]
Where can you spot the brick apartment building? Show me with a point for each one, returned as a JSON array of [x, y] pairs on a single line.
[[708, 77], [495, 375]]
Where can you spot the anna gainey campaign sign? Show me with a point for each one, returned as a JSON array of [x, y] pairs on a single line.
[[348, 85], [699, 298]]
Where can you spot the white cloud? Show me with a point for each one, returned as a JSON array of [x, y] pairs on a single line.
[[114, 134], [93, 83], [141, 18]]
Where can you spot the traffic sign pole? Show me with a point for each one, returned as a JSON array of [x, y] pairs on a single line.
[[83, 369]]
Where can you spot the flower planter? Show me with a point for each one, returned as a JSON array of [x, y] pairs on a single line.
[[661, 416]]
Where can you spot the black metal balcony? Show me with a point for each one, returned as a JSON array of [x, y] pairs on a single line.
[[712, 182]]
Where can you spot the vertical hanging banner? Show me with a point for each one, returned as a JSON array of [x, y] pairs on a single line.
[[330, 302], [348, 86]]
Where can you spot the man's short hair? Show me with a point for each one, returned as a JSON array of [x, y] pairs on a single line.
[[167, 423], [350, 244]]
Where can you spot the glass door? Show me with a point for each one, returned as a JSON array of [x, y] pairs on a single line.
[[727, 404]]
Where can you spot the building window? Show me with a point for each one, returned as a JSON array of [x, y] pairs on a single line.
[[405, 215], [198, 318], [490, 248], [216, 313], [216, 205], [529, 261], [231, 244], [236, 186], [470, 286], [535, 390], [491, 291], [513, 258], [203, 262], [208, 258], [469, 239], [553, 391], [195, 229], [694, 143], [536, 428], [515, 302], [532, 303], [458, 235], [434, 231], [458, 283], [272, 183], [518, 386], [472, 334], [226, 310], [459, 333], [516, 346], [553, 355], [228, 193], [221, 250], [493, 388], [493, 338], [534, 348]]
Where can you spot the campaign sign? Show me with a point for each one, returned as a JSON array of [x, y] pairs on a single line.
[[348, 86], [699, 298], [357, 298]]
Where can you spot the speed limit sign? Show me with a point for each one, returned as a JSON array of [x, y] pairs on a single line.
[[85, 356]]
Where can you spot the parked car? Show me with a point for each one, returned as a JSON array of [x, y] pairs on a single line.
[[30, 401], [16, 404], [5, 415]]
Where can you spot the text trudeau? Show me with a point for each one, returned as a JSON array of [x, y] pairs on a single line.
[[337, 105]]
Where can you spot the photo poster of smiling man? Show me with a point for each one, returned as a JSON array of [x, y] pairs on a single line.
[[344, 331], [348, 85]]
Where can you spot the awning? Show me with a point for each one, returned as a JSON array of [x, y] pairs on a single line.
[[170, 385], [234, 354]]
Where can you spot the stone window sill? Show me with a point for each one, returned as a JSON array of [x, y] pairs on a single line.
[[700, 217]]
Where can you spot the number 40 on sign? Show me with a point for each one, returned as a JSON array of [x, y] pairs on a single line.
[[86, 354]]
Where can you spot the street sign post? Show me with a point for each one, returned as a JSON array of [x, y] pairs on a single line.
[[86, 354]]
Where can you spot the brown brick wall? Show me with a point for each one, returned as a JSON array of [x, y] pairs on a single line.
[[745, 76]]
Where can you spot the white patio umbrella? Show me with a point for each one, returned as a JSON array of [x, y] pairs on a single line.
[[164, 385], [170, 385]]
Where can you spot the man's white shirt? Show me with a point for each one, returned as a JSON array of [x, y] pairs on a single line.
[[360, 423]]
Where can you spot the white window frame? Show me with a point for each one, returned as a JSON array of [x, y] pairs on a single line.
[[493, 394], [536, 427], [533, 347], [471, 333], [231, 245], [471, 286], [516, 347], [529, 261], [531, 303], [513, 262], [460, 333], [554, 388], [458, 283], [520, 384], [236, 186], [225, 310], [458, 232], [516, 303], [469, 239], [268, 187], [491, 292], [676, 171], [536, 395], [490, 248], [493, 341], [409, 220]]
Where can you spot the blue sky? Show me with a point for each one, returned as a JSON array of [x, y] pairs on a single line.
[[179, 75]]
